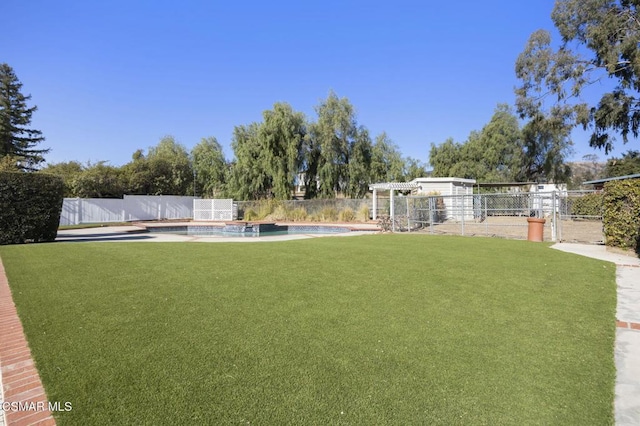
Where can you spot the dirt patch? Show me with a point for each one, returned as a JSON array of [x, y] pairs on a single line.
[[516, 227]]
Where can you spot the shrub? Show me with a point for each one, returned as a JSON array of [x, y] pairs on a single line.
[[621, 217], [30, 206], [365, 213], [347, 215], [328, 214], [587, 205], [250, 214], [267, 208], [279, 213], [297, 215]]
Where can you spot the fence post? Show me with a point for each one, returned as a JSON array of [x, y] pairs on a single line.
[[431, 215], [486, 217], [408, 216], [375, 204], [78, 217], [554, 216], [463, 200], [393, 210]]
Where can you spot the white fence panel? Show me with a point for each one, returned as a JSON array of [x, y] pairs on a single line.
[[217, 209], [141, 207], [176, 207], [130, 208], [96, 210], [156, 207], [70, 211]]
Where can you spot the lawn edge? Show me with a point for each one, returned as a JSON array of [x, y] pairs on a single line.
[[13, 341]]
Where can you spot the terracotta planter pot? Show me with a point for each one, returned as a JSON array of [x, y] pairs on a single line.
[[536, 229]]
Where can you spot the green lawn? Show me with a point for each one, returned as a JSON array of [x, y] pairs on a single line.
[[383, 329]]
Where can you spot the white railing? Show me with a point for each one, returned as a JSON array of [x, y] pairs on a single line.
[[217, 209]]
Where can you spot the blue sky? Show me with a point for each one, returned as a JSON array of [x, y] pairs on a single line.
[[114, 76]]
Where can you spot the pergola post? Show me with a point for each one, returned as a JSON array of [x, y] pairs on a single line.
[[375, 204], [393, 211], [392, 187]]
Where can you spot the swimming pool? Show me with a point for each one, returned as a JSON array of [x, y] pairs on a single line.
[[247, 230]]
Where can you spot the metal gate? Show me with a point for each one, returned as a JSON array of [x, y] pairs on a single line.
[[573, 216], [216, 209]]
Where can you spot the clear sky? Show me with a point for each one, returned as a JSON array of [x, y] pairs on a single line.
[[110, 77]]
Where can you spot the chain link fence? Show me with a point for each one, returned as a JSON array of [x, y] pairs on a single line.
[[570, 215], [339, 209]]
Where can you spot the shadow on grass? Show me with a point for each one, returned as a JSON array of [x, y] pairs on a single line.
[[67, 238]]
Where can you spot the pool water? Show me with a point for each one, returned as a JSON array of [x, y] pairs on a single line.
[[247, 231]]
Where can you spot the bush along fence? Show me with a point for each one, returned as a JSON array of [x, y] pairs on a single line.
[[622, 214], [329, 210], [30, 205], [570, 215]]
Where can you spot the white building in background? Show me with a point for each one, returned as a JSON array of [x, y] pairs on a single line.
[[548, 187], [456, 208], [450, 189], [444, 186]]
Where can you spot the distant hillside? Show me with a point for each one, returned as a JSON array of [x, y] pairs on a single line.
[[582, 171]]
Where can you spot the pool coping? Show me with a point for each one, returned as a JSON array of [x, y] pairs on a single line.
[[250, 229], [221, 224]]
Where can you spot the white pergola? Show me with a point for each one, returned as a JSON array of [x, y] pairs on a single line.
[[391, 187]]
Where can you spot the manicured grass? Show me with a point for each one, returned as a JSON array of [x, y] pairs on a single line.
[[383, 329]]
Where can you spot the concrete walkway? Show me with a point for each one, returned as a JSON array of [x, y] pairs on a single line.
[[627, 347]]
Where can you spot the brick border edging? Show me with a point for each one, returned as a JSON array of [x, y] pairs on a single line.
[[20, 379], [628, 324]]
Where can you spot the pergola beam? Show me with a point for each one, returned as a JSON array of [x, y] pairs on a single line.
[[391, 187]]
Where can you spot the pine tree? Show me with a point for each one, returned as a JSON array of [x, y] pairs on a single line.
[[17, 140]]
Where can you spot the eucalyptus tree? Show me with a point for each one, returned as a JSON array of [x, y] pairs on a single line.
[[502, 151], [628, 164], [498, 148], [414, 168], [546, 145], [600, 40], [444, 158]]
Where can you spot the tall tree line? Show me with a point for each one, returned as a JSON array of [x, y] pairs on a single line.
[[504, 151], [331, 157]]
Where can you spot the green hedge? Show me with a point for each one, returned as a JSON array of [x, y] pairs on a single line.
[[621, 217], [30, 206], [587, 205]]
